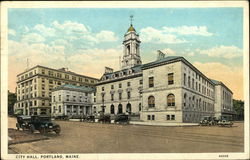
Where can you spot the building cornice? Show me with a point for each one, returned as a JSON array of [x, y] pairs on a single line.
[[57, 70], [119, 79]]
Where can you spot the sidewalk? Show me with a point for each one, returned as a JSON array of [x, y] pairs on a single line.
[[163, 124]]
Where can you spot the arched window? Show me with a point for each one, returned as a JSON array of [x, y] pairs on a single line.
[[112, 109], [120, 109], [151, 101], [139, 106], [171, 100], [128, 109]]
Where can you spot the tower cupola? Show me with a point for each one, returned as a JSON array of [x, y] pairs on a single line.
[[131, 48]]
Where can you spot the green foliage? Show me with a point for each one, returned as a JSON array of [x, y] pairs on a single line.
[[12, 98], [239, 108]]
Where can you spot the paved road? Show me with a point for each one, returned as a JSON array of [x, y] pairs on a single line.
[[80, 137]]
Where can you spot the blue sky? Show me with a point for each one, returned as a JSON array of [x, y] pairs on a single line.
[[83, 38]]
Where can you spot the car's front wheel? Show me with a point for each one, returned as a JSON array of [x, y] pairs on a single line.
[[58, 130]]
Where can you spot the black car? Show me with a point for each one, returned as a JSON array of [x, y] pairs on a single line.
[[23, 122], [104, 118], [122, 118], [43, 124], [90, 118]]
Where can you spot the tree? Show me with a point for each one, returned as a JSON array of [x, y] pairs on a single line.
[[11, 102], [239, 108]]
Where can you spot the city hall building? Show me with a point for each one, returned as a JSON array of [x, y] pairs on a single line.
[[169, 89]]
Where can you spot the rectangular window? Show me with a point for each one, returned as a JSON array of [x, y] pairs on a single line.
[[59, 98], [120, 85], [168, 117], [129, 95], [112, 86], [184, 80], [172, 117], [120, 96], [149, 117], [128, 84], [153, 117], [151, 81], [67, 98], [188, 81], [94, 99], [51, 81], [171, 78], [192, 83], [140, 82], [112, 97], [102, 88]]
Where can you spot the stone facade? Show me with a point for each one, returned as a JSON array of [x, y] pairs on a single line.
[[223, 100], [71, 100], [169, 89]]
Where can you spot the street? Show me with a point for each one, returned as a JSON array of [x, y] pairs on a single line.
[[83, 137]]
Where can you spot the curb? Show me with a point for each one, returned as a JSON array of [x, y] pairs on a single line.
[[27, 141]]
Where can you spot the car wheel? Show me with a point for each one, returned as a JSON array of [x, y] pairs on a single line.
[[58, 130], [32, 129]]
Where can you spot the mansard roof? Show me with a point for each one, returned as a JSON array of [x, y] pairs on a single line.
[[74, 88]]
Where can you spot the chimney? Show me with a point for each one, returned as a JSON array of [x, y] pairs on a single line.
[[108, 70], [160, 55]]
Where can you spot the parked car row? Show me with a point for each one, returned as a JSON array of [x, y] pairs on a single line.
[[41, 123], [225, 120]]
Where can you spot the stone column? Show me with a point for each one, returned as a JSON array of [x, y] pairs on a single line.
[[65, 110], [72, 109], [84, 110]]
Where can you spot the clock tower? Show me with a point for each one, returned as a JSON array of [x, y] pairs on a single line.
[[131, 48]]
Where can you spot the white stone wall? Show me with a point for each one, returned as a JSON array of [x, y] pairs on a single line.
[[223, 100], [134, 100], [82, 102]]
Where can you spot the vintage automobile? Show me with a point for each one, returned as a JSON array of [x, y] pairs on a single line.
[[104, 118], [23, 122], [225, 120], [90, 118], [121, 118], [62, 117], [43, 124], [208, 120]]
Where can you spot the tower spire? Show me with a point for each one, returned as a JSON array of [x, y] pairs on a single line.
[[131, 19]]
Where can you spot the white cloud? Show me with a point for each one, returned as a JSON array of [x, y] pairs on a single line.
[[89, 62], [227, 52], [69, 27], [168, 51], [12, 32], [33, 38], [45, 31], [153, 35], [190, 53], [106, 36], [188, 30]]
